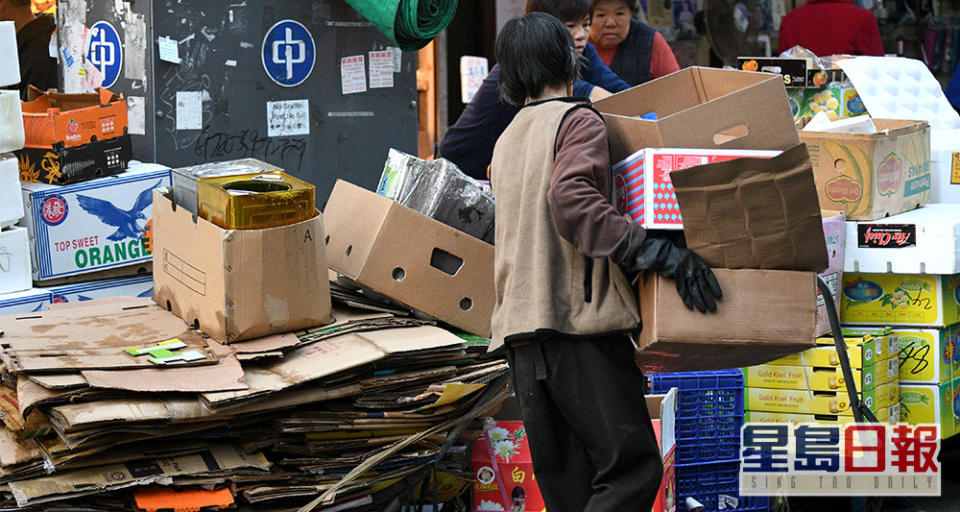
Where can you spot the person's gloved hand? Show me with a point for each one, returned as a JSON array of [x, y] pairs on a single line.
[[696, 284]]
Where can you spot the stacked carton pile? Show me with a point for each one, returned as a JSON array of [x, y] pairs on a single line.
[[82, 215], [810, 387], [903, 272], [261, 388]]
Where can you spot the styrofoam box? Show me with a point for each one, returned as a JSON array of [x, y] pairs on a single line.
[[899, 88], [11, 122], [945, 166], [11, 201], [27, 301], [136, 286], [14, 260], [934, 250], [10, 70]]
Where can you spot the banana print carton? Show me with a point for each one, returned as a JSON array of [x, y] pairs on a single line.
[[927, 404], [870, 176], [900, 299], [929, 356]]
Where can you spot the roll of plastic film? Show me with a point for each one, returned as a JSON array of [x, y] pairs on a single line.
[[255, 201]]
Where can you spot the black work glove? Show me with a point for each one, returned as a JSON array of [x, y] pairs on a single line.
[[696, 284]]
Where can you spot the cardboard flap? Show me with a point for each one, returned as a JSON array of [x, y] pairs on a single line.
[[754, 213]]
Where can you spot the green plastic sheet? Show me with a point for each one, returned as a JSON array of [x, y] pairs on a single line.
[[411, 23]]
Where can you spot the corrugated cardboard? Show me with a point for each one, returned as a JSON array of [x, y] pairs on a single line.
[[226, 375], [764, 314], [754, 213], [871, 176], [929, 356], [371, 241], [325, 358], [701, 108], [900, 299], [218, 459], [93, 335], [75, 164], [239, 284]]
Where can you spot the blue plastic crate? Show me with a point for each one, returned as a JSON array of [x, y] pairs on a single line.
[[709, 413], [716, 485]]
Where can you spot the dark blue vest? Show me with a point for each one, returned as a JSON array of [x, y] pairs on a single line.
[[632, 61]]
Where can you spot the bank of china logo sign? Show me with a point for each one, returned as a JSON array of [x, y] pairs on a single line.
[[288, 53], [105, 52]]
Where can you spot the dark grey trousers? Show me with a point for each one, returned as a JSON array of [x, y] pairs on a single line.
[[583, 407]]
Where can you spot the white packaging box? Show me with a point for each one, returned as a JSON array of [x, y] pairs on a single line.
[[90, 226], [11, 121], [14, 260], [136, 286], [11, 201], [921, 241], [9, 56], [945, 166], [27, 301]]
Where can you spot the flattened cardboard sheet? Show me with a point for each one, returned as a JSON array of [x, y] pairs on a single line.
[[754, 213], [94, 335]]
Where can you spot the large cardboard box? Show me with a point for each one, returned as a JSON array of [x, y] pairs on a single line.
[[870, 176], [921, 241], [239, 284], [900, 299], [796, 401], [701, 108], [643, 189], [411, 258], [764, 314], [929, 356], [819, 378], [90, 226]]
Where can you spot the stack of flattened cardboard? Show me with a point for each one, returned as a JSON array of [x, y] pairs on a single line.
[[105, 397]]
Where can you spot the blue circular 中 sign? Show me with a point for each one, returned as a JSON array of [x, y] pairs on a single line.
[[105, 52], [288, 53]]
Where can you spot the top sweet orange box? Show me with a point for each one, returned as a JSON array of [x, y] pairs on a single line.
[[56, 120]]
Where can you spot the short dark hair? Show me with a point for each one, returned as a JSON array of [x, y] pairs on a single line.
[[633, 5], [567, 11], [535, 51]]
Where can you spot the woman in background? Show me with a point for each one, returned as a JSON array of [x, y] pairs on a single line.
[[632, 49]]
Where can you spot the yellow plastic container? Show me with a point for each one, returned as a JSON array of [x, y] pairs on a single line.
[[255, 201]]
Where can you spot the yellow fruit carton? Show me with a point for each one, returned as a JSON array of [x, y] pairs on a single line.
[[929, 356], [889, 415], [870, 176], [818, 402], [863, 348], [819, 379], [900, 299], [928, 404]]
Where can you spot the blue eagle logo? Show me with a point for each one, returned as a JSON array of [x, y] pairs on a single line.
[[124, 220]]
